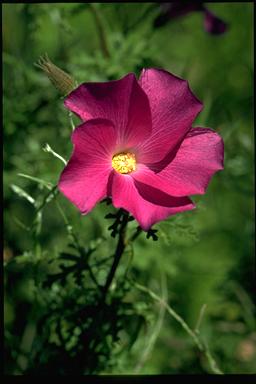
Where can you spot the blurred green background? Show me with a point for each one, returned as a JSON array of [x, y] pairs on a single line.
[[206, 255]]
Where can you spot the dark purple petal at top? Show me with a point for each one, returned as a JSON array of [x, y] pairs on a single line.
[[173, 10], [213, 24], [176, 9]]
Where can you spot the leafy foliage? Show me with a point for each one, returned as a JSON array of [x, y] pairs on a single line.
[[55, 318]]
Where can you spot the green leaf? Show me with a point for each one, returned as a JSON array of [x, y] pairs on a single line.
[[22, 193], [44, 183]]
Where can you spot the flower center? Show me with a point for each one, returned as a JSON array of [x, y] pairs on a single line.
[[124, 162]]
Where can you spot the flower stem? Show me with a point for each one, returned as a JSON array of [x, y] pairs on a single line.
[[121, 244], [141, 18], [102, 35]]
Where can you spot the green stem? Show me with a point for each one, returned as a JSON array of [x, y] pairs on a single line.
[[135, 235], [155, 332], [121, 244], [102, 35], [68, 226], [46, 197], [76, 241], [140, 19]]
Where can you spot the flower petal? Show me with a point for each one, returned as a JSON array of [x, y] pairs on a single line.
[[84, 180], [173, 108], [173, 10], [146, 176], [147, 204], [197, 159], [214, 24], [121, 101]]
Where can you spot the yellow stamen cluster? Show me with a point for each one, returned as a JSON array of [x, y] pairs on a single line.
[[124, 162]]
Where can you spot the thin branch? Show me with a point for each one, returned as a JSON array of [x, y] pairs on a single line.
[[121, 244], [102, 35], [69, 227], [201, 346], [48, 149], [141, 18], [157, 328], [200, 318], [46, 184], [92, 275], [46, 198], [135, 235], [71, 120], [76, 241]]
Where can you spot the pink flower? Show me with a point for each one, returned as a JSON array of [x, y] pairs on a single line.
[[136, 145]]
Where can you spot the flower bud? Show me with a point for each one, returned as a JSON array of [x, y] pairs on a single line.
[[61, 80]]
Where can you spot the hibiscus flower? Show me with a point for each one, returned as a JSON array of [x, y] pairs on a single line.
[[136, 146]]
